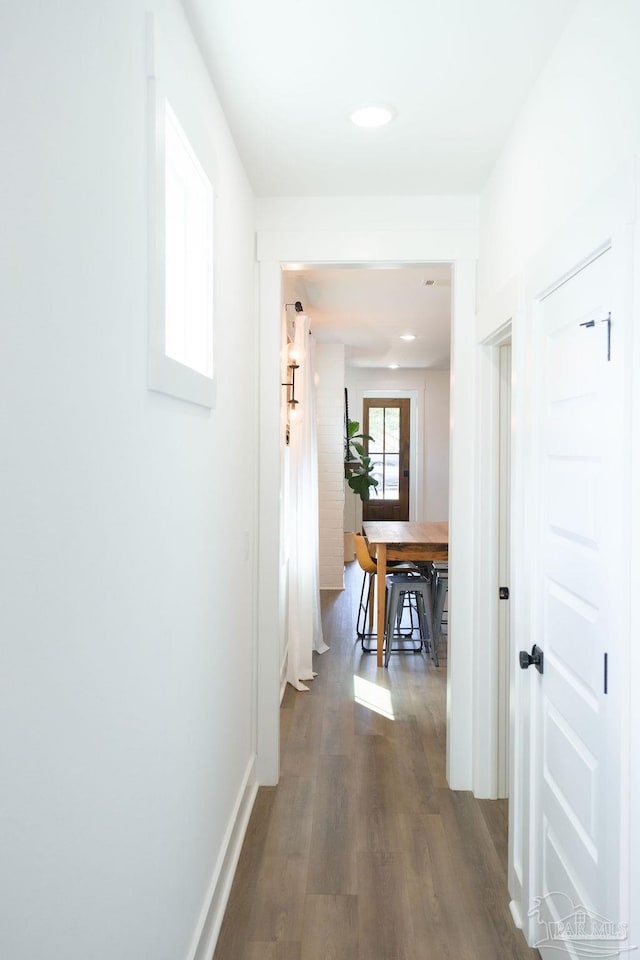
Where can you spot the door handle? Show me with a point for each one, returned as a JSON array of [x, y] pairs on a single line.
[[536, 657]]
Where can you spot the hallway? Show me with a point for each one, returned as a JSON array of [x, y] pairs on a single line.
[[362, 851]]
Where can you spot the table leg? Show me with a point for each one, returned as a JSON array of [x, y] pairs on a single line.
[[381, 584]]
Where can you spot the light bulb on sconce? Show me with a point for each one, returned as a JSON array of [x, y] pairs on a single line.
[[295, 353], [295, 413]]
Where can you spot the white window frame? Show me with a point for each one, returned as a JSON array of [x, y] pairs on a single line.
[[166, 90]]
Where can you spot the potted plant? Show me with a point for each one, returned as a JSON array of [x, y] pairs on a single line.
[[358, 467]]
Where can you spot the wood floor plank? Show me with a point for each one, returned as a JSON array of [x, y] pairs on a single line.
[[271, 950], [384, 909], [430, 934], [338, 727], [496, 817], [259, 950], [332, 852], [377, 830], [429, 863], [250, 861], [462, 862], [290, 823], [392, 774], [484, 878], [330, 929], [278, 900], [299, 754], [288, 950], [233, 932]]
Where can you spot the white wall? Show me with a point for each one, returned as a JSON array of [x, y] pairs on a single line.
[[127, 616], [579, 127], [450, 215], [432, 408], [330, 419]]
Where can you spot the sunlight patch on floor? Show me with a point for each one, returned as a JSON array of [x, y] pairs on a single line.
[[373, 697]]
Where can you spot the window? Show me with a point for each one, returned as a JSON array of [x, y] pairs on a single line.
[[384, 450], [188, 250], [181, 236]]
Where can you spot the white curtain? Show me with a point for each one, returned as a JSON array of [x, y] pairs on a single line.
[[305, 627]]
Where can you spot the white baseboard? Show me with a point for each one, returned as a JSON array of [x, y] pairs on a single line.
[[515, 913], [206, 934]]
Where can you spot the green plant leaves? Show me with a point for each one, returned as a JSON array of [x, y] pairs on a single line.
[[359, 469], [361, 484]]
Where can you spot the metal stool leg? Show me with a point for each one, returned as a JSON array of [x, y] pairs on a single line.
[[441, 595], [366, 612], [362, 608], [398, 591], [426, 608]]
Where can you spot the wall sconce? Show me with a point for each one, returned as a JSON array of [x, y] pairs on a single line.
[[294, 357], [292, 366]]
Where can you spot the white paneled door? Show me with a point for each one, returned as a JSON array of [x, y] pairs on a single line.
[[578, 600]]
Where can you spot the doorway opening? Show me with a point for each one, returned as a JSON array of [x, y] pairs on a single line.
[[457, 267]]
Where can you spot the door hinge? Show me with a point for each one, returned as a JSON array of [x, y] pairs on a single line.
[[503, 593], [607, 320], [606, 673]]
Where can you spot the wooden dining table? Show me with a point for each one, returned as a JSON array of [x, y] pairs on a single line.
[[402, 540]]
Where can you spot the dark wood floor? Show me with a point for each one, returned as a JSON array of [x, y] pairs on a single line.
[[362, 852]]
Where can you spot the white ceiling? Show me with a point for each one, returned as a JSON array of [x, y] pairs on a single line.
[[368, 310], [289, 73]]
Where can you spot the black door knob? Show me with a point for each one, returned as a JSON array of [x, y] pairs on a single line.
[[536, 657]]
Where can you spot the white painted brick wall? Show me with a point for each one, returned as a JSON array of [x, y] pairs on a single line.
[[330, 419]]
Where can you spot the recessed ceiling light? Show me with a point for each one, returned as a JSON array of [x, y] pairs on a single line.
[[408, 336], [394, 366], [371, 116]]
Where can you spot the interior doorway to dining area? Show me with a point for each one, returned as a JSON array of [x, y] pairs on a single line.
[[382, 367]]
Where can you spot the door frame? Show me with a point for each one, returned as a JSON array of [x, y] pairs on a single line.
[[505, 444], [492, 685], [277, 250], [416, 451]]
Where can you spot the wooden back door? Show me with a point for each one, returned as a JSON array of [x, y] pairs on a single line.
[[387, 422]]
